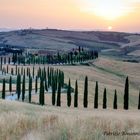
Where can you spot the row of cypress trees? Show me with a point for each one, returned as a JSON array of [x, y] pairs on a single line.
[[48, 74], [73, 56], [70, 57], [56, 82], [85, 98], [48, 79]]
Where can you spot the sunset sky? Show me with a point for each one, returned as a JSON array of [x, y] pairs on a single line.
[[118, 15]]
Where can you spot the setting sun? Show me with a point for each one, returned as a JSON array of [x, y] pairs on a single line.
[[109, 28]]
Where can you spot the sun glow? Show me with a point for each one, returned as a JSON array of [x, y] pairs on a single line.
[[109, 28], [110, 9]]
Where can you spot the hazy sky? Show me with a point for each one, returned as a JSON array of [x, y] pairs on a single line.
[[119, 15]]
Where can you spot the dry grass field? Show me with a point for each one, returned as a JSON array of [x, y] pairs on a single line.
[[32, 122], [24, 121]]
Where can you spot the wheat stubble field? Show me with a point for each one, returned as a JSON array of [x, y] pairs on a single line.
[[29, 122], [32, 122]]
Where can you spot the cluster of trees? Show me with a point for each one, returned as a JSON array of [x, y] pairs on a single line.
[[49, 78], [4, 60], [77, 55], [16, 58], [73, 56]]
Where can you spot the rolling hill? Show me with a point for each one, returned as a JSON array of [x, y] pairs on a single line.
[[126, 45]]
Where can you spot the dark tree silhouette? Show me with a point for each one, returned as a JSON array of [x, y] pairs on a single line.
[[126, 94], [59, 95], [36, 84], [76, 95], [115, 100], [85, 102], [139, 101], [23, 88], [104, 100], [3, 89], [53, 91], [69, 94], [10, 84], [18, 85], [30, 89], [96, 96]]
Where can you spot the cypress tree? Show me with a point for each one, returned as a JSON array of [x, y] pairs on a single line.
[[59, 95], [7, 69], [76, 95], [10, 84], [126, 94], [56, 80], [96, 96], [3, 89], [1, 63], [45, 74], [51, 76], [48, 73], [36, 84], [30, 88], [40, 97], [33, 72], [16, 69], [104, 100], [69, 94], [115, 100], [23, 88], [18, 85], [42, 94], [39, 72], [85, 102], [27, 71], [139, 101], [12, 72], [53, 91]]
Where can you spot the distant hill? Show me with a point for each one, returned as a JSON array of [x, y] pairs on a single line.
[[107, 43], [6, 29]]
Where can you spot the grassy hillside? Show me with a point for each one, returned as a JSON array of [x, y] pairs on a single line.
[[110, 73], [31, 122], [109, 43]]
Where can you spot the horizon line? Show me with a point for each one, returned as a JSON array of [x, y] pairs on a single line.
[[63, 29]]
